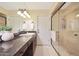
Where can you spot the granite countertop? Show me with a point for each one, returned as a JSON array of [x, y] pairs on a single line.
[[10, 48]]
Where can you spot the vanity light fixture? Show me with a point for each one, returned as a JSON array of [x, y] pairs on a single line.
[[19, 13], [27, 14], [23, 13]]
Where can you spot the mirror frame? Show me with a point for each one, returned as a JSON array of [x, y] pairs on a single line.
[[5, 18]]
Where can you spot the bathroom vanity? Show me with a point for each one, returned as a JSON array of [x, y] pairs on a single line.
[[23, 45]]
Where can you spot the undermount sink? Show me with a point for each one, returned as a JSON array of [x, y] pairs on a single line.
[[28, 34]]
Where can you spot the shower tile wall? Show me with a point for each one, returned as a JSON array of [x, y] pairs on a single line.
[[67, 28]]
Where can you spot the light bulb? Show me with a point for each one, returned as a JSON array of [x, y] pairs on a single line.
[[27, 14], [21, 14]]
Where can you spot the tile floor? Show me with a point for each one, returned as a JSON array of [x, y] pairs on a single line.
[[45, 51]]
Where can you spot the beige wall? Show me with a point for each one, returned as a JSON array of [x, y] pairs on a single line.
[[4, 11]]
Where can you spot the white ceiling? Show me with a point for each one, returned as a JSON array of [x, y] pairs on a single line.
[[26, 5]]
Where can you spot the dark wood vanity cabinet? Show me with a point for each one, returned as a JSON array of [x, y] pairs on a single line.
[[21, 46], [31, 49]]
